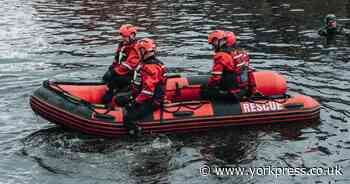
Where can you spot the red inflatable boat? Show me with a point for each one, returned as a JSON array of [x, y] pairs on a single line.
[[76, 105]]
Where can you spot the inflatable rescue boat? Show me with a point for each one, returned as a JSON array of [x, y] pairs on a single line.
[[77, 105]]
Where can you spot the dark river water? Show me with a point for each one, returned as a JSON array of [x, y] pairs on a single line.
[[65, 39]]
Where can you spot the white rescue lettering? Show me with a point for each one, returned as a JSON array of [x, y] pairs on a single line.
[[256, 107], [259, 107], [253, 107], [245, 107]]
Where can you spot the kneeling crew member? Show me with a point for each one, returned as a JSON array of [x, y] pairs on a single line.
[[149, 80], [232, 77]]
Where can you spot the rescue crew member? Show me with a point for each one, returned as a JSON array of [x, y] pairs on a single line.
[[119, 74], [231, 76], [331, 28], [147, 85]]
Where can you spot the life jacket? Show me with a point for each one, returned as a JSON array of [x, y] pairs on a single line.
[[126, 59], [236, 76], [137, 83], [122, 52]]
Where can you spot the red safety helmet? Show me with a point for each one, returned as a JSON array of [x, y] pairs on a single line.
[[219, 35], [145, 46], [127, 30], [230, 38]]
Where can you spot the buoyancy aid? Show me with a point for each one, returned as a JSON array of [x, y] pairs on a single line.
[[122, 51], [149, 80], [232, 71], [126, 59]]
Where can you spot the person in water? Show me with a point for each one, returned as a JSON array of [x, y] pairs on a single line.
[[231, 76], [147, 85], [119, 74], [331, 28]]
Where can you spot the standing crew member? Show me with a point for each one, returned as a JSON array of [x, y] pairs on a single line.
[[149, 80], [119, 74], [232, 77]]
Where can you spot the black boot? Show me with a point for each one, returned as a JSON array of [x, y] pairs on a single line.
[[137, 132], [133, 128]]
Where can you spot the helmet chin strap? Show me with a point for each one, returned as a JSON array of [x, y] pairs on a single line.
[[142, 53], [216, 45], [220, 45], [132, 37]]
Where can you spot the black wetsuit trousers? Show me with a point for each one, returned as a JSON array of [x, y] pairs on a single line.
[[137, 112]]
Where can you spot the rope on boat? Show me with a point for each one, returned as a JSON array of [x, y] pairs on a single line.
[[65, 94]]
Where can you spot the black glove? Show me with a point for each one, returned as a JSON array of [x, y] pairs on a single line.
[[108, 76], [220, 92], [131, 106]]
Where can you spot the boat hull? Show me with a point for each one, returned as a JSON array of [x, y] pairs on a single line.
[[186, 116]]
